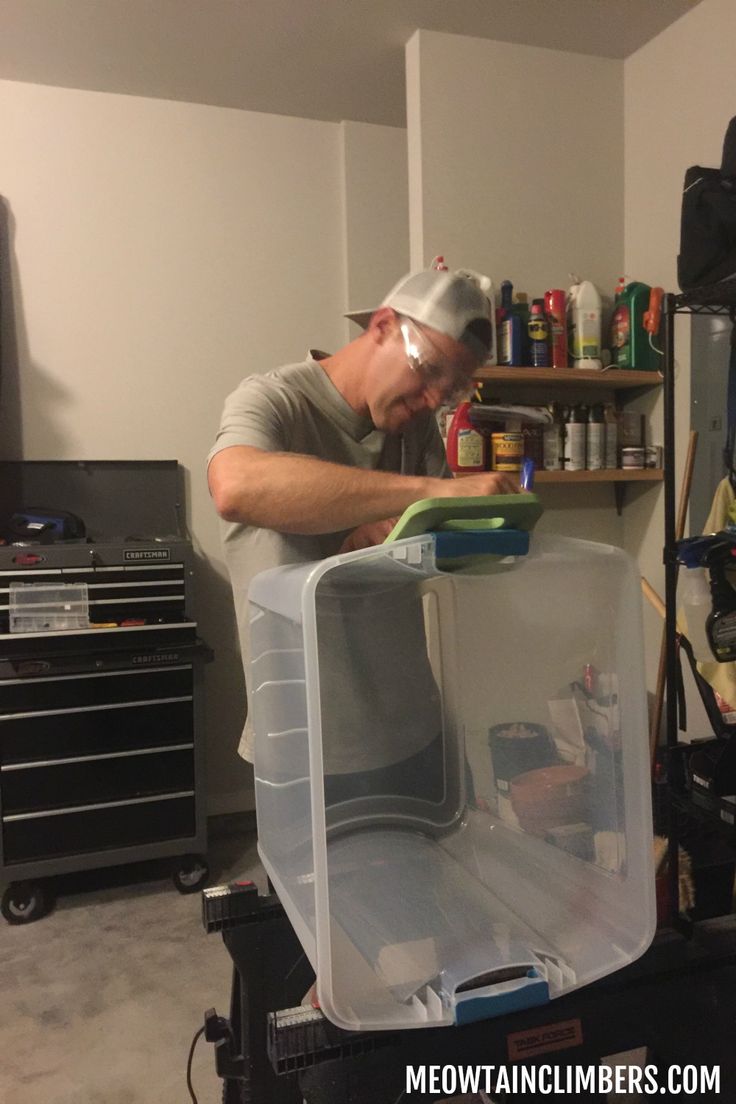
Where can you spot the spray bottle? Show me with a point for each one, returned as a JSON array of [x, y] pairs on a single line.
[[467, 448], [584, 315]]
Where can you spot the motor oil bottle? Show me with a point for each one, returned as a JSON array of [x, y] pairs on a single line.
[[553, 440], [584, 320], [595, 446], [575, 438], [538, 335], [630, 344], [467, 448]]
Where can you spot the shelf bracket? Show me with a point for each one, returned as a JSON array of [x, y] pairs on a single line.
[[619, 494]]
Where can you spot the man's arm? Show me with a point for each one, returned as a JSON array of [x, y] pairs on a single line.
[[300, 494]]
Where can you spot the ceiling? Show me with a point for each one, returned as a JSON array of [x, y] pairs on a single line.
[[321, 59]]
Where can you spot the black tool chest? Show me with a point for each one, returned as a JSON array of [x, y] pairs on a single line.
[[101, 728]]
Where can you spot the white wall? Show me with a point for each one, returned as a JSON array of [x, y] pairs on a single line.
[[680, 93], [160, 251], [516, 169], [376, 213]]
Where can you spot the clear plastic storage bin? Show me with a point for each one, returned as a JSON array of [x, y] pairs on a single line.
[[452, 776], [42, 607]]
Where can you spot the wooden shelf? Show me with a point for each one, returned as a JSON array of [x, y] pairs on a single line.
[[607, 475], [616, 379]]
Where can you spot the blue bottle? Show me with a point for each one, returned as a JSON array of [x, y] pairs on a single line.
[[538, 335]]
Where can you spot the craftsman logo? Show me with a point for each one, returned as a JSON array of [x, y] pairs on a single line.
[[144, 555], [559, 1036], [159, 657]]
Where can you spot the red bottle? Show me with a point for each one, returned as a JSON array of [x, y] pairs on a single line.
[[555, 307], [467, 448]]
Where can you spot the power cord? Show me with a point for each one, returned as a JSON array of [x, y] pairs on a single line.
[[197, 1034]]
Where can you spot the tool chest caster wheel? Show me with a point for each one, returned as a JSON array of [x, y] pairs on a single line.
[[192, 874], [24, 902]]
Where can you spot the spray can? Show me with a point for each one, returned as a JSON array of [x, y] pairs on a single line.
[[584, 305], [554, 302], [538, 335], [553, 438], [575, 438], [596, 441], [466, 447], [611, 422]]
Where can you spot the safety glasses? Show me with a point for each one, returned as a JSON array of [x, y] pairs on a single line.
[[438, 374]]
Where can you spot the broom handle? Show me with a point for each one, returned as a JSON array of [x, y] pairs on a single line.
[[687, 482]]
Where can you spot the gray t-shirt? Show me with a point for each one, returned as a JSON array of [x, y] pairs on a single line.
[[298, 409]]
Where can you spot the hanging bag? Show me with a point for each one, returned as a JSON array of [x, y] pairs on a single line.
[[708, 222], [706, 265]]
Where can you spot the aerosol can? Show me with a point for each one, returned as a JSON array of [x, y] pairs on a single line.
[[584, 320]]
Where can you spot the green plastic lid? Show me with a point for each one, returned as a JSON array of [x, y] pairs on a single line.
[[514, 511]]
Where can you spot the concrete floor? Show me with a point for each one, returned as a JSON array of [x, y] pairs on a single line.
[[101, 998]]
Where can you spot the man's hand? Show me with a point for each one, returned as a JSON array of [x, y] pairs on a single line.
[[365, 536], [484, 483]]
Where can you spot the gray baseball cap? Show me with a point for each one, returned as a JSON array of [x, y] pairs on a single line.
[[450, 302]]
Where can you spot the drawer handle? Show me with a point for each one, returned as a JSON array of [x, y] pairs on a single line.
[[153, 670], [95, 758], [96, 808], [92, 708]]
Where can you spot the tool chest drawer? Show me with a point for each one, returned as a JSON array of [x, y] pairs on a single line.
[[92, 689], [102, 757], [96, 759], [80, 830], [99, 731], [80, 781]]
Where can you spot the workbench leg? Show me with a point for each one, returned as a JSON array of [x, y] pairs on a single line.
[[270, 972]]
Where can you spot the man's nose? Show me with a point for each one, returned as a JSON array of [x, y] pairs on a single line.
[[432, 399]]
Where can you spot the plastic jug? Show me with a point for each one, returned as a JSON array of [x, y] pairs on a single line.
[[631, 346], [584, 317]]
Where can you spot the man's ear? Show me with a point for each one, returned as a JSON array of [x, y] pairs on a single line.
[[382, 325]]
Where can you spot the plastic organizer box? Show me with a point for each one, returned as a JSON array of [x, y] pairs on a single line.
[[451, 765], [42, 607]]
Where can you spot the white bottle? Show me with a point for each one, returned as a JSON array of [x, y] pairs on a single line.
[[697, 603], [584, 316]]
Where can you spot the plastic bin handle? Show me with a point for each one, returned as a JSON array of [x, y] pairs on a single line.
[[513, 996], [516, 511]]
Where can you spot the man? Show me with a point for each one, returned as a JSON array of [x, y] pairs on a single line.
[[321, 457]]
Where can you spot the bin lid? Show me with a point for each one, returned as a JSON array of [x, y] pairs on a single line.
[[482, 512]]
